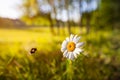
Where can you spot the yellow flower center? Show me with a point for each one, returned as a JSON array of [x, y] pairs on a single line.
[[70, 46]]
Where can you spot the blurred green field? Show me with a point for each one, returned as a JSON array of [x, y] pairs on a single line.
[[99, 61]]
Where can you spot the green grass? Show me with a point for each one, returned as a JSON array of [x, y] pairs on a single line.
[[99, 61]]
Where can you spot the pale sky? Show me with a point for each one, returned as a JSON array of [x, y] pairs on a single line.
[[9, 8]]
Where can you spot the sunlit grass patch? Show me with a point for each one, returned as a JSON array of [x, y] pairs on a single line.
[[14, 35]]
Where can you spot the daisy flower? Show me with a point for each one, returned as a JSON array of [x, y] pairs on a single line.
[[71, 47]]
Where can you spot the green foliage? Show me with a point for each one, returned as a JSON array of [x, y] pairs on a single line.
[[99, 61], [108, 14]]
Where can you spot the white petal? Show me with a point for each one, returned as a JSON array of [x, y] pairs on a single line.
[[70, 55], [64, 44], [76, 40], [75, 55], [79, 44], [78, 50], [67, 39], [74, 37], [65, 53], [71, 37], [63, 49]]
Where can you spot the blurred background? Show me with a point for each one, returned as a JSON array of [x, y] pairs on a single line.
[[44, 24]]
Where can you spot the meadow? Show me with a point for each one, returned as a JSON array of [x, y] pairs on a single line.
[[99, 61]]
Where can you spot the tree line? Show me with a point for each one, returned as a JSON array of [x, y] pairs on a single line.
[[106, 13]]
